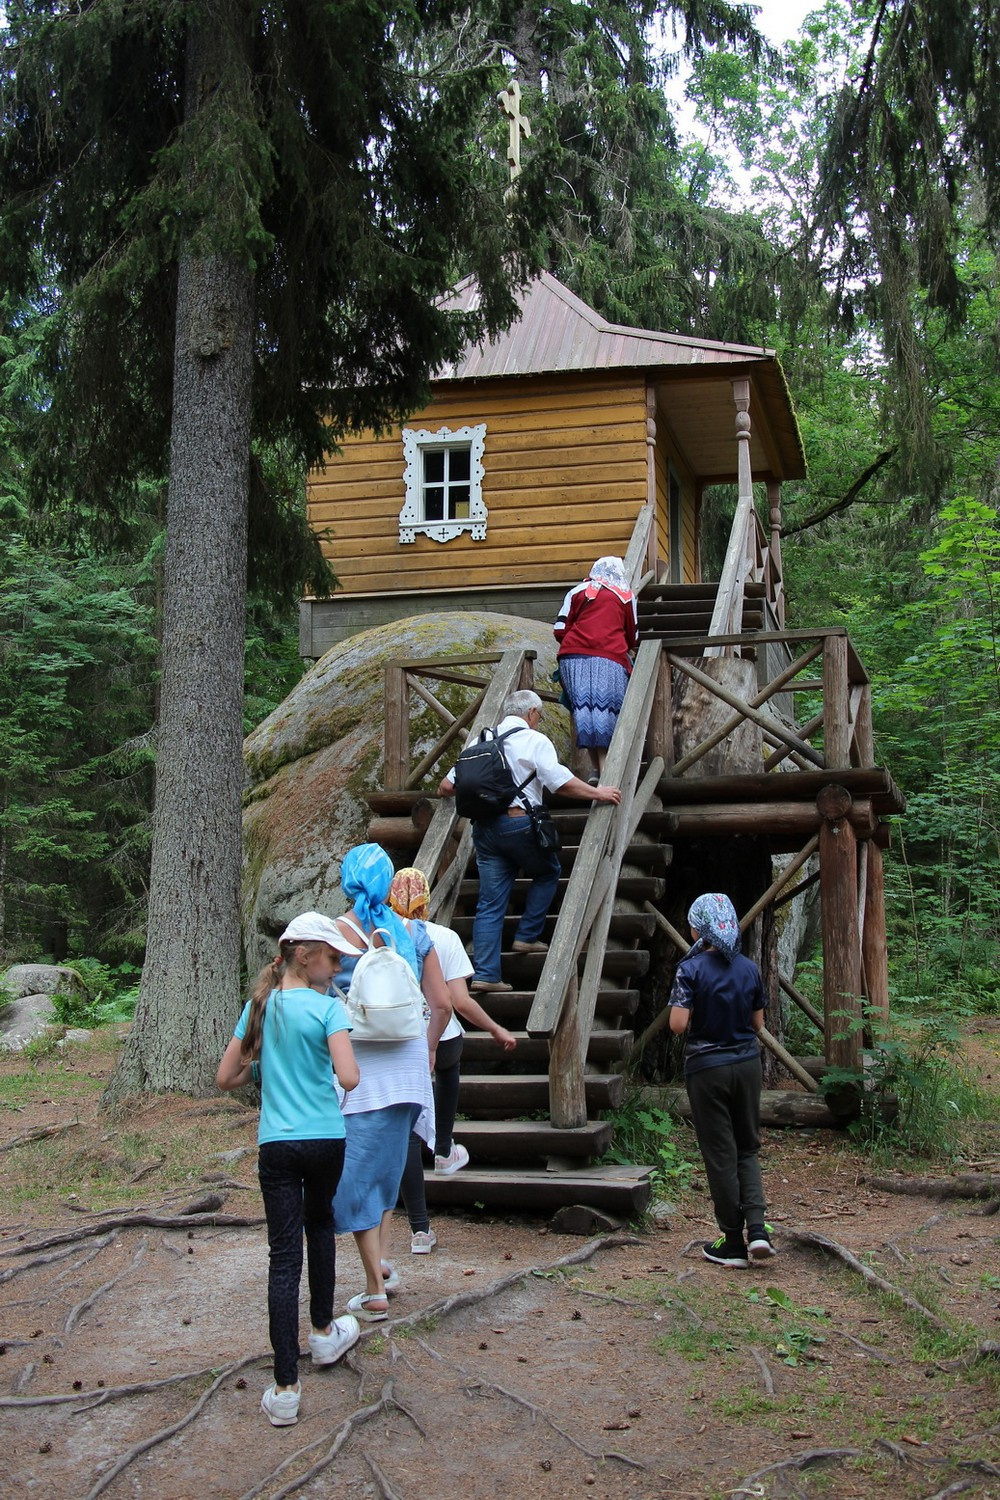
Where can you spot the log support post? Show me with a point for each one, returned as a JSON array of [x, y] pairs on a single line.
[[397, 727], [653, 545], [838, 884], [567, 1093]]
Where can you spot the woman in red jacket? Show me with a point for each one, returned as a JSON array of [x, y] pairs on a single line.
[[596, 630]]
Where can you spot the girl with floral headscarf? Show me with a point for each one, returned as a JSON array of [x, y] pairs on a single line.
[[409, 895], [717, 1001], [394, 1096], [597, 628]]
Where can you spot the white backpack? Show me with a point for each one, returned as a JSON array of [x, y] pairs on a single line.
[[385, 1003]]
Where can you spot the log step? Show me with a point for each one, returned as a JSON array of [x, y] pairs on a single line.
[[633, 887], [507, 1140], [618, 963], [533, 1052], [624, 925], [487, 1095], [622, 1191], [511, 1009]]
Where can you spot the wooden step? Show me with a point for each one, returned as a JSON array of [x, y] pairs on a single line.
[[511, 1009], [618, 963], [624, 925], [511, 1140], [660, 627], [533, 1052], [632, 887], [489, 1096], [622, 1191]]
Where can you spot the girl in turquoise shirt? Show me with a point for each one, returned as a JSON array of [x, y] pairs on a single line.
[[293, 1031]]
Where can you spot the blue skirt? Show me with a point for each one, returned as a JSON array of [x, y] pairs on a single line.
[[595, 688], [374, 1158]]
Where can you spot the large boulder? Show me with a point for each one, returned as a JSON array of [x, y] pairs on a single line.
[[310, 764], [42, 979]]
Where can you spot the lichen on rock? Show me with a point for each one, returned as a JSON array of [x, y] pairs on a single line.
[[311, 763]]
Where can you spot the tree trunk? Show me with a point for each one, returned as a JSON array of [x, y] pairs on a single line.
[[190, 994]]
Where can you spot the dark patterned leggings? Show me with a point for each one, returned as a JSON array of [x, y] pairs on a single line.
[[298, 1180], [447, 1076]]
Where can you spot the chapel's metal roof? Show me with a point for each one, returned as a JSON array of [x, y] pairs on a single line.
[[557, 331]]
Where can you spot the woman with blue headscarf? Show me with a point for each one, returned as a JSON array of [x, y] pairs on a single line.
[[717, 999], [394, 1096]]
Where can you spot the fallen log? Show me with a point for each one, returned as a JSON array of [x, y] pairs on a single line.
[[778, 1107], [959, 1185]]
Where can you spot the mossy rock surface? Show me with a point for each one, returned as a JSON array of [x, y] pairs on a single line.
[[310, 764]]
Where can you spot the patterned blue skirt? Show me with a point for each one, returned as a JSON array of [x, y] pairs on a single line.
[[595, 688]]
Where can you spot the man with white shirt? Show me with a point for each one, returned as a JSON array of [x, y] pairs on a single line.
[[506, 844]]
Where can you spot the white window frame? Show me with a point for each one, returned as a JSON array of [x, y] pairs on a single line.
[[416, 441]]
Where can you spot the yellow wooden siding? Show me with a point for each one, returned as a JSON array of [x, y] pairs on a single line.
[[565, 476]]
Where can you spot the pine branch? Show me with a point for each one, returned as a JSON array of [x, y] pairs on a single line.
[[846, 500]]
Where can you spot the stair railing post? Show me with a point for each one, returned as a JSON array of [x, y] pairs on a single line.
[[397, 727]]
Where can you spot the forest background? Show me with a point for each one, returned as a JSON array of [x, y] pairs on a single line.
[[833, 198]]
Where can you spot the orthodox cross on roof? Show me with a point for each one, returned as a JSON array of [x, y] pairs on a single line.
[[509, 101]]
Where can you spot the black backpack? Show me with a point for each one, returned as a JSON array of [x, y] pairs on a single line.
[[484, 786]]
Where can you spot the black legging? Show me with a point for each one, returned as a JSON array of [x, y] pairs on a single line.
[[297, 1181], [447, 1076]]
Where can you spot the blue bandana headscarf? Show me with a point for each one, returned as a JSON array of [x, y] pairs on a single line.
[[714, 919], [365, 877]]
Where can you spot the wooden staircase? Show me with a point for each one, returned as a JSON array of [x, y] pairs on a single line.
[[669, 610], [520, 1158]]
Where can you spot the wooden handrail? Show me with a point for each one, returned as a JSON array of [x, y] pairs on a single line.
[[589, 866], [635, 556]]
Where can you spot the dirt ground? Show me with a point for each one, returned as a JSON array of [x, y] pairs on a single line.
[[517, 1360]]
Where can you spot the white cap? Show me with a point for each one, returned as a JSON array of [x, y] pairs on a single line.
[[313, 927]]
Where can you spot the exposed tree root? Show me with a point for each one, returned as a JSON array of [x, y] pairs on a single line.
[[138, 1220], [988, 1349], [823, 1242], [76, 1313], [459, 1300], [765, 1371], [952, 1489], [356, 1419], [385, 1488], [138, 1449], [798, 1461], [104, 1394], [866, 1348], [46, 1260], [961, 1185], [477, 1383], [40, 1133]]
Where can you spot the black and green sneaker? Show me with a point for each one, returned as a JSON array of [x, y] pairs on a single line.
[[759, 1236], [727, 1250]]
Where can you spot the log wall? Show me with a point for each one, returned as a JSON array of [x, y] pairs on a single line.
[[566, 474]]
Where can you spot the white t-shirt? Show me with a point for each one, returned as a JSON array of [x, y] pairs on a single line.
[[527, 751], [455, 964]]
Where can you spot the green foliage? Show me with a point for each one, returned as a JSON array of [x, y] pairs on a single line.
[[76, 654], [111, 994], [648, 1136], [917, 1063], [795, 1340]]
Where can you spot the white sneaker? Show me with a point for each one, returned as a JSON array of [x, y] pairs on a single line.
[[281, 1407], [445, 1165], [423, 1242], [327, 1348]]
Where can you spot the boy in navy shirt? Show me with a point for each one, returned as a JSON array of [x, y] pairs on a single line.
[[717, 999]]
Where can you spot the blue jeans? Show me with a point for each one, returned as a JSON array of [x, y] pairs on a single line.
[[504, 847]]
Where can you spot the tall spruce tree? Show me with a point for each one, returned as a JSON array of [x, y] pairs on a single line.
[[250, 213]]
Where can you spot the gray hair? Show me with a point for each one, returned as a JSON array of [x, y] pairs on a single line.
[[521, 703]]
